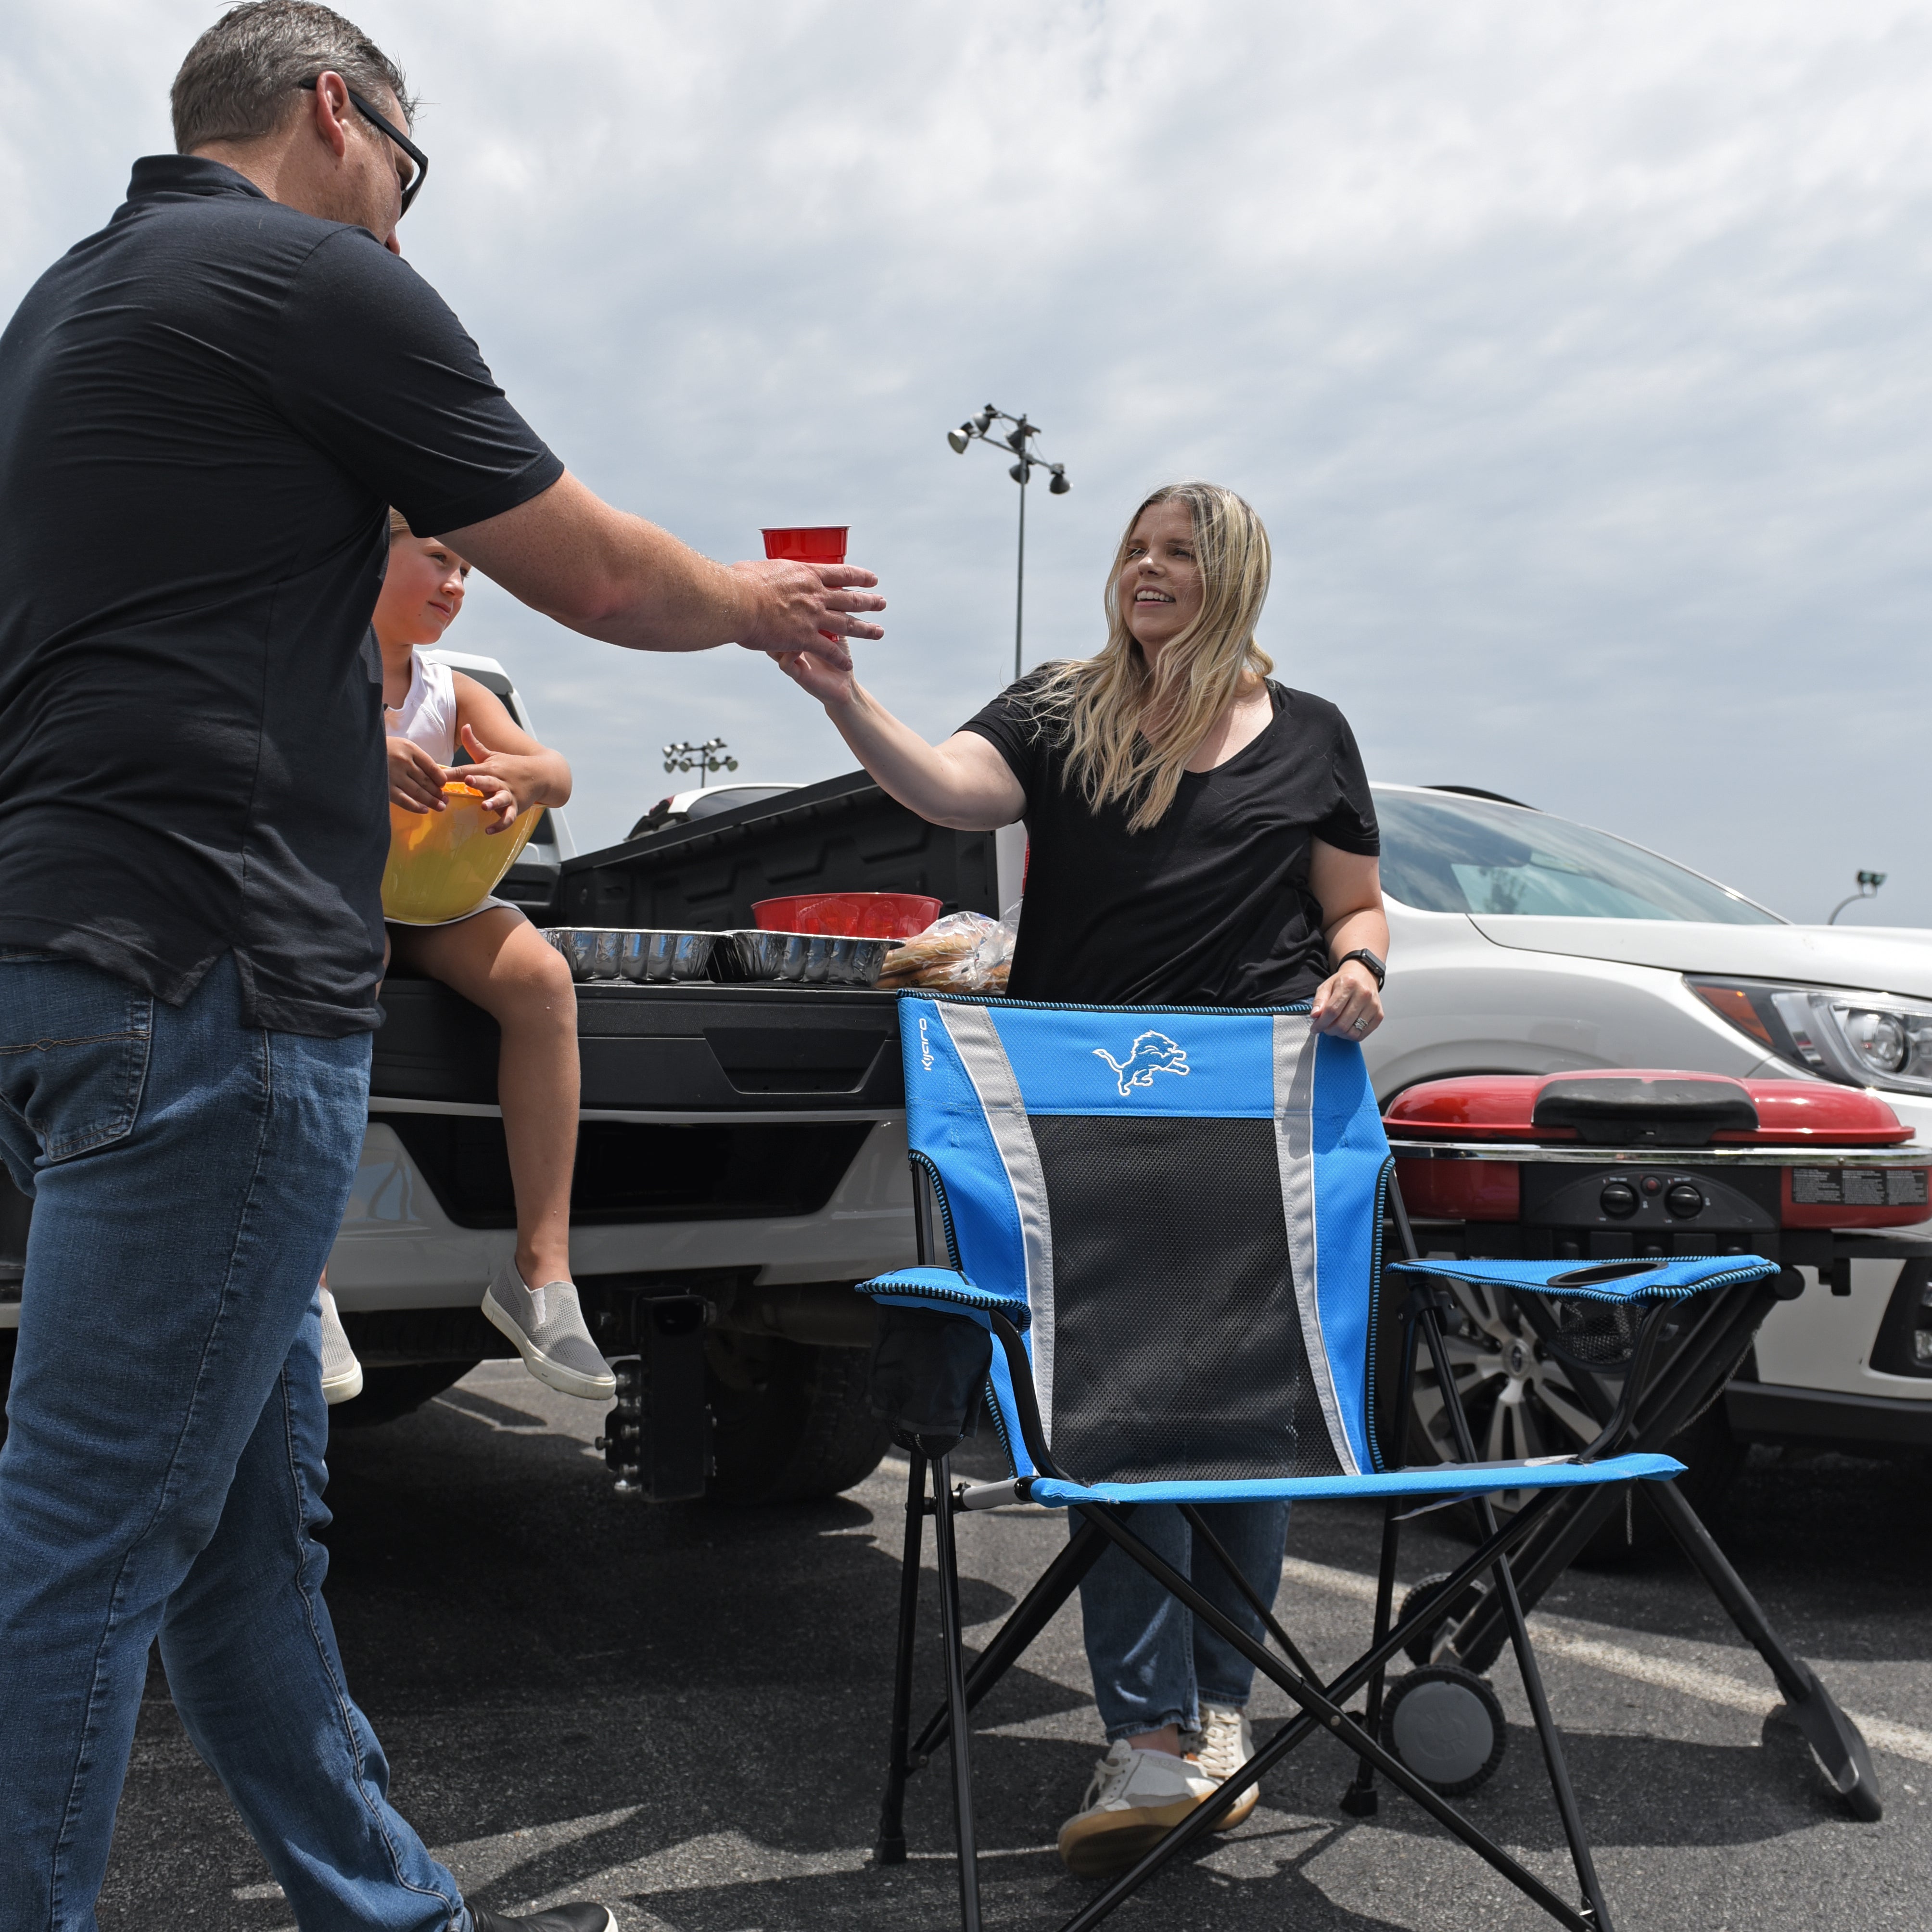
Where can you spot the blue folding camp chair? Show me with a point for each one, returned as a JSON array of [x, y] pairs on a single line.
[[1162, 1236]]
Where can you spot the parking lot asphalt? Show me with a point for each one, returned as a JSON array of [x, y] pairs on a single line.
[[682, 1711]]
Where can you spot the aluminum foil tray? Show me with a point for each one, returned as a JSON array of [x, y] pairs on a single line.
[[647, 958], [800, 959]]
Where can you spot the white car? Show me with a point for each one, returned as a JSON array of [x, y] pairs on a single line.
[[1522, 943]]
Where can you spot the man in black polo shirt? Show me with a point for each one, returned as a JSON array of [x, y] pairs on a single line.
[[206, 411]]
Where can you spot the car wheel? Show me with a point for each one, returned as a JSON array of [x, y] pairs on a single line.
[[792, 1420], [1520, 1404]]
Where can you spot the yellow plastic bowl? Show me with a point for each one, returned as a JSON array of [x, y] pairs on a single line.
[[442, 864]]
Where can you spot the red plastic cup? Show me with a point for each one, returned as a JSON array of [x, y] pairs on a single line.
[[823, 543], [849, 915]]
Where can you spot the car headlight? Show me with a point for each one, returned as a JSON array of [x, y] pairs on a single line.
[[1865, 1039]]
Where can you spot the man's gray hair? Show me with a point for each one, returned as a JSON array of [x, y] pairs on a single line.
[[239, 81]]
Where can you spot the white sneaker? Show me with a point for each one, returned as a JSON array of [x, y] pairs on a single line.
[[1225, 1742], [341, 1373], [547, 1325], [1134, 1798]]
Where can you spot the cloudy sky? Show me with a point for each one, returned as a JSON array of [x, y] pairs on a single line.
[[1574, 354]]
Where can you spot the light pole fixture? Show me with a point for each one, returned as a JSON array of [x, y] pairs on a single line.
[[979, 429], [1868, 885], [703, 759]]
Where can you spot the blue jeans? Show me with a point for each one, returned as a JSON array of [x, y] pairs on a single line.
[[1152, 1664], [163, 1472]]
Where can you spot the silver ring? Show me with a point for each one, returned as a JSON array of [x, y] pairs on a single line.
[[1360, 1025]]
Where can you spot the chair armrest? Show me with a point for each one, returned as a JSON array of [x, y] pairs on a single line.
[[1664, 1280], [945, 1291]]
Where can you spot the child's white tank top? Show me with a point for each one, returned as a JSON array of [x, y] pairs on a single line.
[[426, 716]]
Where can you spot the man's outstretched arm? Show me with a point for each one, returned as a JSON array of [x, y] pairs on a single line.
[[615, 577]]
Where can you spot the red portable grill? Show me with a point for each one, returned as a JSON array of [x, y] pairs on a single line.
[[1639, 1162], [1624, 1165]]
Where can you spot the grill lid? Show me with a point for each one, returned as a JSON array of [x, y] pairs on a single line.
[[1637, 1109]]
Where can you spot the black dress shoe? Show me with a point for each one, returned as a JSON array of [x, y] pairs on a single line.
[[582, 1917]]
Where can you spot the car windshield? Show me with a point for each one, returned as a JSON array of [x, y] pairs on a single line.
[[1445, 853]]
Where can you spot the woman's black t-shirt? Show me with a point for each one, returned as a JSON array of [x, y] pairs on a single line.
[[1211, 906]]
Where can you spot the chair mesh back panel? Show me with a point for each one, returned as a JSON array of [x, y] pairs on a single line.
[[1166, 1367]]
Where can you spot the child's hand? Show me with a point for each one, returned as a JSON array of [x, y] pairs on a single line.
[[510, 784], [415, 779], [500, 801]]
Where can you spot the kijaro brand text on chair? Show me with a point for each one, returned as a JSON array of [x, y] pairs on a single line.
[[1158, 1233]]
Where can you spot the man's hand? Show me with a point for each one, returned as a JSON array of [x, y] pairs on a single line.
[[792, 606], [415, 779]]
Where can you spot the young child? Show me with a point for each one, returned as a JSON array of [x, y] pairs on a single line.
[[493, 956]]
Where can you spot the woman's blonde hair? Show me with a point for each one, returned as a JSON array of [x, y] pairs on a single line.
[[1130, 730]]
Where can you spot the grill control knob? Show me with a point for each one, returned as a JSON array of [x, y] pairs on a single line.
[[1683, 1201], [1619, 1198]]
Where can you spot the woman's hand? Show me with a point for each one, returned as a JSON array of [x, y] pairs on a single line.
[[818, 673], [1348, 1003], [415, 779], [511, 783]]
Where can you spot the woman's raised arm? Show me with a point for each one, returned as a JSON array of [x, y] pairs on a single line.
[[964, 783]]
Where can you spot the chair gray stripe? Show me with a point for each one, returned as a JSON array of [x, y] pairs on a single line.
[[977, 1042], [1294, 1154]]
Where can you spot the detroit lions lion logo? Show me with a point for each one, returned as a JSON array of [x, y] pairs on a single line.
[[1152, 1053]]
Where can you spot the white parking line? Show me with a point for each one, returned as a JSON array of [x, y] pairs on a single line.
[[1559, 1637]]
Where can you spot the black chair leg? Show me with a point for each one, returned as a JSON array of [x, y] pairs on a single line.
[[890, 1848], [1360, 1800], [956, 1694], [1430, 1323], [1558, 1769], [1035, 1611], [1835, 1741]]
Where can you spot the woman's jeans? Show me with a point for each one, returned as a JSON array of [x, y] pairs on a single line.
[[163, 1471], [1152, 1664]]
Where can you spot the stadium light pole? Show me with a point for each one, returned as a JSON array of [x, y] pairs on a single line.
[[703, 759], [979, 429]]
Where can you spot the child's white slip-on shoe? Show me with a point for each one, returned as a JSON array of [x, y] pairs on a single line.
[[546, 1326]]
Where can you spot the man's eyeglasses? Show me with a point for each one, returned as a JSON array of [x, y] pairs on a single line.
[[413, 186]]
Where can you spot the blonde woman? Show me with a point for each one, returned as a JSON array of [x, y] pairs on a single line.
[[1199, 835]]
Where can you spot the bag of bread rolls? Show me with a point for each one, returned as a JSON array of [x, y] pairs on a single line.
[[963, 952]]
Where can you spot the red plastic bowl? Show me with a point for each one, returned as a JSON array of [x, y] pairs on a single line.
[[825, 545], [849, 915]]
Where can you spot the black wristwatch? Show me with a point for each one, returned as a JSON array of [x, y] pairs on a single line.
[[1368, 959]]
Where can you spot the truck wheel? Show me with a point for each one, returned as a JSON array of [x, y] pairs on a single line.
[[387, 1393], [1520, 1404], [793, 1422]]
